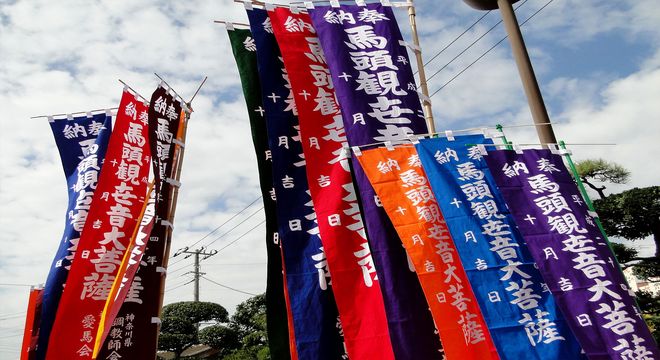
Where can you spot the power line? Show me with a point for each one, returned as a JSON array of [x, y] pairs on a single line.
[[229, 287], [240, 237], [28, 285], [237, 225], [178, 286], [224, 247], [228, 220], [489, 50], [456, 39], [227, 232], [471, 45]]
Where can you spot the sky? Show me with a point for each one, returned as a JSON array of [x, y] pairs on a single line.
[[597, 62]]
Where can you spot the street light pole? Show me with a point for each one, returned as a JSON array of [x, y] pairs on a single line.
[[525, 70]]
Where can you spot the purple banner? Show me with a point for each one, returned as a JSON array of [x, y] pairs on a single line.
[[569, 250], [376, 91]]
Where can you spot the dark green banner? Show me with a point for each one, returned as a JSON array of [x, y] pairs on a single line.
[[244, 50]]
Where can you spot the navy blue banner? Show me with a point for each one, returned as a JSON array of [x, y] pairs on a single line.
[[82, 143], [519, 309], [316, 321]]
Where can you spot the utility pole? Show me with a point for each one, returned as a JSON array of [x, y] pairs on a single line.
[[532, 91], [197, 273]]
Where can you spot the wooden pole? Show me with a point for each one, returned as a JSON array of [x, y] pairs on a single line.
[[426, 102]]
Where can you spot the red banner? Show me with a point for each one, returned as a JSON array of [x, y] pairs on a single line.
[[401, 184], [124, 280], [114, 215], [31, 332], [348, 257]]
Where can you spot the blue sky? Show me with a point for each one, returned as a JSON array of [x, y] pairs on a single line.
[[598, 63]]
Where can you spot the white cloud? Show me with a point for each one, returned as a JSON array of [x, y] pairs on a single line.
[[66, 56]]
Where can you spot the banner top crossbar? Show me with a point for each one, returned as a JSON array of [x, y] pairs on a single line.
[[70, 115]]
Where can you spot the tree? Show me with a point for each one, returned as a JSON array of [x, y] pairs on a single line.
[[633, 214], [179, 330], [599, 170], [220, 337], [249, 321]]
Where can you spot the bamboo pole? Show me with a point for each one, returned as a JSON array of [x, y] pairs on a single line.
[[426, 101]]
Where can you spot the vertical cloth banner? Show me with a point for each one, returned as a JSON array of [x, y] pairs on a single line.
[[399, 180], [375, 89], [571, 254], [315, 317], [354, 282], [134, 329], [519, 310], [82, 143], [117, 202], [31, 329], [245, 54]]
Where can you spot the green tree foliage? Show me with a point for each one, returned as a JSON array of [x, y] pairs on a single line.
[[624, 254], [600, 171], [177, 333], [220, 337], [197, 311], [249, 321], [179, 328], [633, 214]]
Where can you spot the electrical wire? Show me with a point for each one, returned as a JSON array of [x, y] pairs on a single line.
[[240, 237], [489, 50], [228, 287], [471, 45]]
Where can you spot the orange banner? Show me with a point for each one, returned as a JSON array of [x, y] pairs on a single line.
[[31, 330], [401, 184]]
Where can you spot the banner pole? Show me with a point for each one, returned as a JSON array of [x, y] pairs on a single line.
[[499, 128], [590, 205], [174, 194], [426, 101]]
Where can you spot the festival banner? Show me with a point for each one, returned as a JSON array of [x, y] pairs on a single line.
[[375, 89], [354, 282], [315, 317], [245, 53], [117, 202], [31, 329], [82, 142], [397, 176], [574, 259], [519, 310], [133, 329]]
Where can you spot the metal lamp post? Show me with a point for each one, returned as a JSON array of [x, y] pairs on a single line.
[[531, 86]]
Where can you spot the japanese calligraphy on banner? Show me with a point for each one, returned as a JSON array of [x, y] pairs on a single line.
[[82, 143], [354, 281], [138, 337], [117, 202], [315, 317], [518, 308], [372, 79], [127, 289], [399, 180], [571, 254], [245, 53]]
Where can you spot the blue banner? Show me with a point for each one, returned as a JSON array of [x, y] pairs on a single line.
[[82, 143], [519, 309], [315, 317]]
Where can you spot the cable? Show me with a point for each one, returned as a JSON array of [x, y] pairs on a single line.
[[471, 45], [178, 286], [240, 237], [223, 224], [489, 50], [237, 225], [227, 232], [28, 285], [228, 287], [455, 39]]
